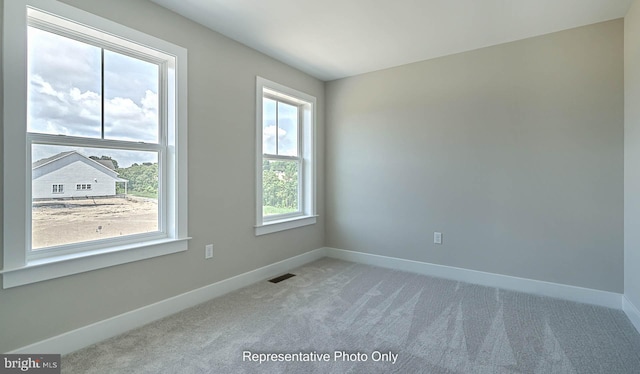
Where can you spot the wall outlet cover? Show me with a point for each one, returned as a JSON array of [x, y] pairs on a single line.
[[437, 237]]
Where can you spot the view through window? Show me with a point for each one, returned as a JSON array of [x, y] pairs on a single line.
[[94, 126], [282, 161], [285, 158]]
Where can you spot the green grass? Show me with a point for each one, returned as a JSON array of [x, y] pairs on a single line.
[[271, 210], [143, 194]]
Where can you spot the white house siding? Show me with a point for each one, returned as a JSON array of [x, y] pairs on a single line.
[[70, 171]]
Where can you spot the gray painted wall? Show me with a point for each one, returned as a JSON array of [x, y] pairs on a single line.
[[221, 189], [632, 154], [513, 152]]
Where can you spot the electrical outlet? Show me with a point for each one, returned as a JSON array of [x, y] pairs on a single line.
[[437, 237], [208, 251]]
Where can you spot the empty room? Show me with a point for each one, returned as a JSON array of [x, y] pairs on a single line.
[[194, 186]]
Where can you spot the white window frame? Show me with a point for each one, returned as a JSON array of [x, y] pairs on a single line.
[[22, 267], [307, 167], [83, 186]]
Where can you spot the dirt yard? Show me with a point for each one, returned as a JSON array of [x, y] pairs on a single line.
[[57, 222]]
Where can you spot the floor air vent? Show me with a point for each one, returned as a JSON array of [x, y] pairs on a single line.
[[281, 278]]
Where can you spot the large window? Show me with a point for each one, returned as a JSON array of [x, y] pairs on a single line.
[[285, 163], [100, 107]]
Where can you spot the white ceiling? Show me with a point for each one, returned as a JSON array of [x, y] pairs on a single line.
[[332, 39]]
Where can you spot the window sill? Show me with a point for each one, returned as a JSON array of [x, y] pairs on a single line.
[[284, 224], [60, 266]]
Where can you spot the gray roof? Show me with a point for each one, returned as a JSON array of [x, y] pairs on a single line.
[[108, 164], [49, 159]]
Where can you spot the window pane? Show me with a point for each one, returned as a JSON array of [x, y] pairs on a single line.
[[279, 187], [269, 129], [64, 85], [97, 194], [131, 98], [287, 129]]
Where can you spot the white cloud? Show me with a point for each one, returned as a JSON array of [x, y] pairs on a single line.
[[55, 111], [78, 113], [270, 131], [269, 140], [63, 62], [150, 103], [65, 95], [121, 108], [126, 120], [45, 88]]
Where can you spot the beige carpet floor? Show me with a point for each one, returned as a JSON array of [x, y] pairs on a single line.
[[364, 319]]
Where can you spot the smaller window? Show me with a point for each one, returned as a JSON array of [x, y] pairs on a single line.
[[58, 188], [285, 158]]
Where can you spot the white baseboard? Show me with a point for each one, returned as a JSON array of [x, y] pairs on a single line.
[[82, 337], [632, 312], [96, 332], [555, 290]]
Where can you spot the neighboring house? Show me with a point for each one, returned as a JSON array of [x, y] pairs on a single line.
[[70, 174]]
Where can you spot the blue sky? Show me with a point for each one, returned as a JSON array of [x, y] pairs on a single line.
[[65, 96], [287, 131]]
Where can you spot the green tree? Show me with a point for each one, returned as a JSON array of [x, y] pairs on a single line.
[[143, 179], [279, 186]]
